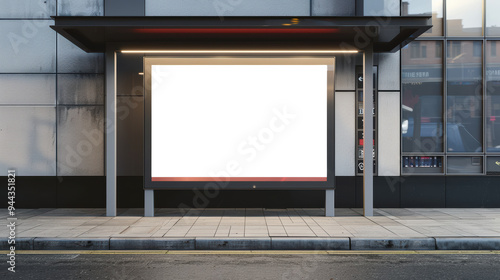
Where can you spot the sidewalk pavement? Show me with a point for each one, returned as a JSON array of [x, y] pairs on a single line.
[[254, 229]]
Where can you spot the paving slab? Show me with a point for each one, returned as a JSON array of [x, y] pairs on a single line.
[[388, 229]]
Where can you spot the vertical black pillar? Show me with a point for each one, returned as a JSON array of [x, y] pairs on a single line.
[[360, 7]]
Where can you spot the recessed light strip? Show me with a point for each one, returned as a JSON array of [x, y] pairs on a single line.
[[238, 51]]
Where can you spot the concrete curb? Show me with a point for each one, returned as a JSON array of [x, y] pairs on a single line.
[[468, 243], [257, 243], [118, 243], [227, 243], [292, 243], [22, 243], [44, 243], [393, 244]]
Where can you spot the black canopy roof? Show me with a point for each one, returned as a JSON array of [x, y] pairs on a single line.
[[387, 34]]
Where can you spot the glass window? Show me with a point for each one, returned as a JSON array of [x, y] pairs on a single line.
[[464, 100], [465, 165], [454, 49], [492, 18], [415, 50], [426, 7], [438, 49], [478, 46], [381, 7], [418, 51], [128, 71], [422, 110], [464, 17], [492, 105]]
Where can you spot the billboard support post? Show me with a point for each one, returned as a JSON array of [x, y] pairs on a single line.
[[330, 203], [149, 203]]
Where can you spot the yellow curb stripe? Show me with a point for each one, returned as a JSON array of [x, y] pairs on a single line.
[[88, 252], [422, 252], [243, 252]]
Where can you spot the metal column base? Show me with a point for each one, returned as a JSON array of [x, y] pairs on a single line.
[[330, 203], [149, 203]]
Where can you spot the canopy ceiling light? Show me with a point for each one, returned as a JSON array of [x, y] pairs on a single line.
[[240, 51]]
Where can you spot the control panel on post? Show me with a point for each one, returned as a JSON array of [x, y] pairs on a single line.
[[359, 121]]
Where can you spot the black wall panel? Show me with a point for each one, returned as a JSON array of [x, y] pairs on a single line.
[[32, 192], [404, 192], [81, 192], [472, 191], [129, 192], [359, 192], [386, 192], [345, 192], [423, 192], [240, 199]]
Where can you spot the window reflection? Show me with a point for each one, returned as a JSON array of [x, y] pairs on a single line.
[[492, 105], [381, 7], [422, 110], [492, 18], [426, 7], [464, 97], [128, 68], [464, 17]]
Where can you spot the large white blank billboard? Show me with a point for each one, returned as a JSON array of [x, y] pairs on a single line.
[[238, 119]]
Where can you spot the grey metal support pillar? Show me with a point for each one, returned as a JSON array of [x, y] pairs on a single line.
[[110, 132], [368, 131], [330, 203], [149, 203]]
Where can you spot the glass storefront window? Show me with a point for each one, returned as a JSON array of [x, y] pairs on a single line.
[[492, 105], [464, 108], [464, 17], [426, 7], [492, 18], [381, 7], [422, 85]]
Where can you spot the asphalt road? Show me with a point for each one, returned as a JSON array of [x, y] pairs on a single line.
[[255, 266]]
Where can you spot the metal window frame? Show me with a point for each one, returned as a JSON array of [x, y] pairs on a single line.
[[445, 39], [443, 116], [470, 154]]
